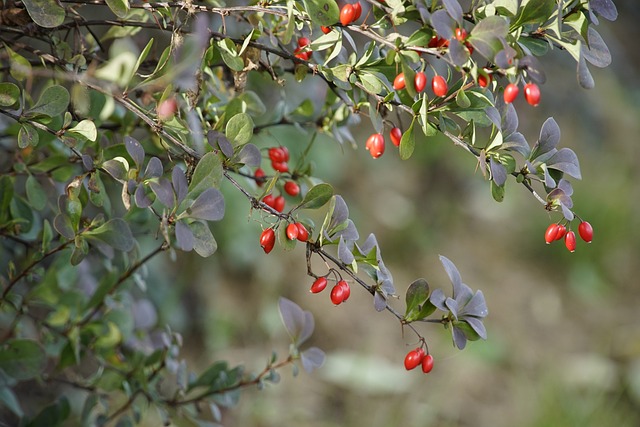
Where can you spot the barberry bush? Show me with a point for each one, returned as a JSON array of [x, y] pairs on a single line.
[[126, 127]]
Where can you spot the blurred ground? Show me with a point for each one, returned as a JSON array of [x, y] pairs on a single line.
[[564, 338]]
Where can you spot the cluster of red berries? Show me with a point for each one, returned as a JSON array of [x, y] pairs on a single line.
[[418, 357], [559, 231], [420, 80], [279, 157], [350, 13], [375, 143], [339, 293], [460, 34], [531, 93], [303, 51]]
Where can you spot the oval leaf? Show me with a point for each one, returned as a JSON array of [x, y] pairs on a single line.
[[317, 197], [208, 206], [53, 102], [115, 233], [239, 129], [22, 359], [9, 94], [46, 13]]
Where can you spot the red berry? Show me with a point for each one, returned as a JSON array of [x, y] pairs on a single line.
[[258, 175], [269, 200], [532, 94], [358, 9], [278, 203], [562, 230], [303, 41], [484, 80], [586, 231], [285, 152], [427, 363], [439, 86], [470, 47], [305, 56], [438, 42], [292, 231], [396, 136], [280, 166], [570, 241], [413, 359], [324, 29], [347, 14], [375, 145], [420, 81], [291, 188], [303, 233], [510, 93], [267, 240], [551, 233], [337, 294], [276, 154], [398, 82], [319, 285], [166, 109], [461, 34], [346, 290]]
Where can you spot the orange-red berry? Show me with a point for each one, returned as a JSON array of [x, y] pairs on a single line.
[[511, 93], [347, 14], [267, 240], [291, 188], [532, 94], [427, 363], [439, 86], [396, 136], [420, 81], [398, 82]]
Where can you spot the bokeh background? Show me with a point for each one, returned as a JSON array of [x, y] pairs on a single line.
[[564, 335]]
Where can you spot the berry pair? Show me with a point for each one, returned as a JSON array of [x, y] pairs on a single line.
[[339, 293], [350, 13], [279, 157], [296, 230], [418, 357], [276, 203], [531, 93], [302, 52]]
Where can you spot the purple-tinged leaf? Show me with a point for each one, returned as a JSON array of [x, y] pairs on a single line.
[[462, 294], [87, 162], [340, 212], [566, 187], [566, 211], [605, 8], [494, 115], [477, 326], [452, 272], [115, 233], [452, 306], [548, 140], [298, 323], [438, 298], [510, 119], [145, 315], [565, 160], [442, 23], [135, 150], [205, 244], [597, 52], [345, 255], [249, 155], [584, 75], [184, 237], [370, 243], [379, 302], [459, 338], [163, 191], [218, 140], [312, 358], [458, 53], [385, 278], [476, 306], [534, 68], [142, 198], [118, 168], [454, 9], [154, 168], [349, 233], [179, 182], [498, 172], [208, 206], [549, 182], [516, 142], [62, 224]]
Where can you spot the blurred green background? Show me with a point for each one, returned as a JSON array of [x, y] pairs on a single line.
[[564, 338]]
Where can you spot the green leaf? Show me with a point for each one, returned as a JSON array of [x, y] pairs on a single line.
[[371, 83], [115, 233], [486, 36], [462, 99], [53, 415], [209, 377], [535, 11], [205, 244], [420, 38], [208, 174], [408, 142], [239, 129], [20, 68], [497, 192], [87, 129], [143, 55], [417, 294], [27, 136], [284, 242], [9, 400], [317, 197], [9, 94], [230, 54], [46, 13], [119, 7], [35, 193], [322, 12], [6, 195], [22, 359], [53, 102]]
